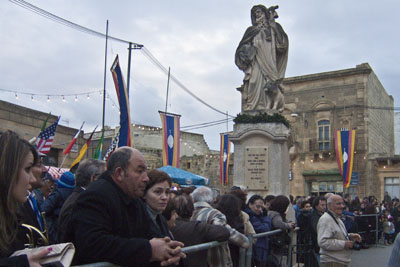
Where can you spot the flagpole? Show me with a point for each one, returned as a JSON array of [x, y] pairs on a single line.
[[166, 100], [104, 86], [227, 123]]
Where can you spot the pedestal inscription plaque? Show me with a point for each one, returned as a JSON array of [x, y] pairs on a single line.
[[256, 168]]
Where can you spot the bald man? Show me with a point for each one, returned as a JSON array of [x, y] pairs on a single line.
[[110, 222], [334, 241]]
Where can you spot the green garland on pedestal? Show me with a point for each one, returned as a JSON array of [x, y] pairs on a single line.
[[261, 118]]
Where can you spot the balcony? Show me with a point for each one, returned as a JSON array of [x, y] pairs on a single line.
[[316, 145]]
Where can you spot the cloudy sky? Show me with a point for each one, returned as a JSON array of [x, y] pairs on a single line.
[[196, 39]]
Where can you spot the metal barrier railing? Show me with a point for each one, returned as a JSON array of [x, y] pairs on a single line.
[[245, 255], [376, 215]]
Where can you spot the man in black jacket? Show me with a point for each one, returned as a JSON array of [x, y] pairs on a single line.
[[110, 222], [319, 208], [88, 172]]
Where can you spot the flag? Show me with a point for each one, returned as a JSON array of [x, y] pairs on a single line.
[[83, 150], [125, 138], [46, 137], [112, 147], [224, 155], [344, 146], [69, 147], [170, 138], [45, 122], [99, 147]]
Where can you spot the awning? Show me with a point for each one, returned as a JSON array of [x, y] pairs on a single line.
[[183, 177]]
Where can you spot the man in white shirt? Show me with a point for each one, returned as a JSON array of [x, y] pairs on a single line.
[[334, 241]]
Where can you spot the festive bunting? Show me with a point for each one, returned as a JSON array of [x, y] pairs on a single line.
[[224, 155], [344, 146], [171, 138]]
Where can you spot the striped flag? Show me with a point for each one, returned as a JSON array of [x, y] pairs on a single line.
[[125, 138], [46, 137], [83, 150], [171, 138], [112, 147], [224, 156], [69, 147], [344, 146], [99, 147]]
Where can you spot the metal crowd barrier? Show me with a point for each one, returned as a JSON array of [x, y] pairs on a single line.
[[376, 226], [245, 255]]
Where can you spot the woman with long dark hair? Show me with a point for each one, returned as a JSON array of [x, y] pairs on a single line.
[[230, 206], [17, 157]]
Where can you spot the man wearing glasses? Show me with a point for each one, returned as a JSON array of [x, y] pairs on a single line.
[[334, 241]]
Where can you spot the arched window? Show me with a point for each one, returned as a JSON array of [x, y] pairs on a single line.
[[324, 134]]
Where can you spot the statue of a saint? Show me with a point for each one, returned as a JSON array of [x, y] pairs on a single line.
[[262, 55]]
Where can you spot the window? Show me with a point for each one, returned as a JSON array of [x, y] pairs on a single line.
[[392, 186], [323, 135]]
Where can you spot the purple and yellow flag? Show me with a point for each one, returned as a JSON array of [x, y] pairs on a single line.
[[224, 155], [125, 138], [171, 138], [344, 146]]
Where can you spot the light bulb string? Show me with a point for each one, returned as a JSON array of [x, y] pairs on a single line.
[[34, 94], [63, 96]]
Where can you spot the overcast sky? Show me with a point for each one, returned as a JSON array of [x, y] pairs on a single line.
[[196, 39]]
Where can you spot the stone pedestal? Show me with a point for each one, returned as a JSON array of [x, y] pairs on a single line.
[[261, 160]]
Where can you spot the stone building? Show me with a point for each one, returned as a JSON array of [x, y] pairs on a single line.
[[28, 122], [397, 133], [319, 104]]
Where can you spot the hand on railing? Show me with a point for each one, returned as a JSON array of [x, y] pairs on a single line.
[[166, 250]]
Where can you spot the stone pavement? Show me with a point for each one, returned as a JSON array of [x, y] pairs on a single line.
[[374, 256]]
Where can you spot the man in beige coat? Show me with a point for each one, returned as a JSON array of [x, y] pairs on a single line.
[[334, 241]]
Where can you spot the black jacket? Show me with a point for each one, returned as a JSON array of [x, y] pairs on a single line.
[[109, 226], [52, 208], [18, 261], [64, 231], [314, 218]]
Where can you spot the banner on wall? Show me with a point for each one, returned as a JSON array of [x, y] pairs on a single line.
[[224, 155], [344, 146], [170, 138]]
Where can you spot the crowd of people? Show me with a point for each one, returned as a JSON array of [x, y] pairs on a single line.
[[119, 212]]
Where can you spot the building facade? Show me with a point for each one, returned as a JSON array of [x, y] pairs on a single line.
[[319, 104], [28, 122]]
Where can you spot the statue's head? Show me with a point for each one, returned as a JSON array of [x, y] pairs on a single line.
[[259, 13]]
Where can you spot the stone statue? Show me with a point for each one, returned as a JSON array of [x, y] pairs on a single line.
[[262, 55]]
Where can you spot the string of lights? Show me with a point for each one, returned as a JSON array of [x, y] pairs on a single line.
[[35, 96], [83, 29]]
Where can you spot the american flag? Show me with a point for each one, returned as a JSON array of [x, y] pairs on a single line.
[[46, 137], [112, 147]]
